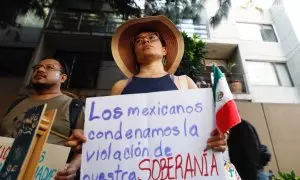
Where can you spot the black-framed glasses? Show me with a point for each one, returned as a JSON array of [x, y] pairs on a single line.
[[138, 40], [47, 67]]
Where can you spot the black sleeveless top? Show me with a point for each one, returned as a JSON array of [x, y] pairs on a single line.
[[146, 85]]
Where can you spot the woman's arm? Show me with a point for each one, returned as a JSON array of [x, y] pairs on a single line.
[[184, 82], [191, 84], [118, 87]]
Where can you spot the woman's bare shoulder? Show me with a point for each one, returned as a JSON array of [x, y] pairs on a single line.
[[118, 87], [186, 82]]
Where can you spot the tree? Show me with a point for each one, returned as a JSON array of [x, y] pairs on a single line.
[[126, 8], [182, 9], [222, 12], [174, 9], [10, 9], [194, 53]]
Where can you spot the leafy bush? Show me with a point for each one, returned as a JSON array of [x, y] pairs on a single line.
[[194, 52], [286, 176]]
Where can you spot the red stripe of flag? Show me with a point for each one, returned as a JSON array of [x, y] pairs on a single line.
[[227, 116]]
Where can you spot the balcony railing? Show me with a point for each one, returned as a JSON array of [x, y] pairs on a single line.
[[236, 81], [82, 22], [190, 28], [94, 23]]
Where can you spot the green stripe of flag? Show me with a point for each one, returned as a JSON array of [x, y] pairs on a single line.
[[217, 75]]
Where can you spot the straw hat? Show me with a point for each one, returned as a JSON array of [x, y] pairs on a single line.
[[122, 47]]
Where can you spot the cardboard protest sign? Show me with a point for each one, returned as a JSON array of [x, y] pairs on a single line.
[[50, 162], [150, 136], [21, 150]]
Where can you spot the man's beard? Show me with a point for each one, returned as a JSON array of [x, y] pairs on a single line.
[[41, 87]]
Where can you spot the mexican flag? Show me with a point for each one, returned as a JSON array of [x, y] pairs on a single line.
[[227, 114]]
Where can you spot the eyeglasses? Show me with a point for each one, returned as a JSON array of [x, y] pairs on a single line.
[[138, 40], [47, 67]]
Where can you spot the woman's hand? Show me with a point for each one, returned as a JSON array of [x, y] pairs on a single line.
[[76, 140], [217, 141]]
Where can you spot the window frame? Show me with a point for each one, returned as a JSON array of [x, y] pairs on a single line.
[[276, 73], [288, 73], [260, 23]]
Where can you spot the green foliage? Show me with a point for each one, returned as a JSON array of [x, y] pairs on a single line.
[[174, 9], [222, 13], [10, 9], [194, 52], [229, 66], [287, 176]]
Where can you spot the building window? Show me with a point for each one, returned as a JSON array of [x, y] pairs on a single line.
[[194, 25], [283, 74], [14, 61], [265, 73], [257, 32]]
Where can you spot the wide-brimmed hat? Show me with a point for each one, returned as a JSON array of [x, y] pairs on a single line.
[[122, 46]]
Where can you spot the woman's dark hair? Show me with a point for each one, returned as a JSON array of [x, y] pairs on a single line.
[[64, 67], [265, 155]]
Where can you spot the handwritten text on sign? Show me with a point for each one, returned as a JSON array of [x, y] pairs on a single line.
[[50, 162], [150, 136]]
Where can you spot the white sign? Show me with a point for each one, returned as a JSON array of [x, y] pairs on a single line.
[[150, 136], [53, 158]]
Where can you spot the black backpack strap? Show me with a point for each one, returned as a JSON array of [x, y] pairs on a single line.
[[14, 104], [75, 108]]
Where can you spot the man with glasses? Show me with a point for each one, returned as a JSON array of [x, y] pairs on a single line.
[[47, 78]]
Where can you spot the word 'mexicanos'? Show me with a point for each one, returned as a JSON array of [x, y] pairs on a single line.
[[159, 110]]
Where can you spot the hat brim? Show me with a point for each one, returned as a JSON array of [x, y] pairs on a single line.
[[122, 47]]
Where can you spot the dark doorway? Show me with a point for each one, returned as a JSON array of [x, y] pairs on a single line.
[[84, 67]]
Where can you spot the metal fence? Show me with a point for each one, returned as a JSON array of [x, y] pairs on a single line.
[[100, 23], [82, 22], [236, 81]]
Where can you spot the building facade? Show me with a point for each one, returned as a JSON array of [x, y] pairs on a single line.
[[258, 49]]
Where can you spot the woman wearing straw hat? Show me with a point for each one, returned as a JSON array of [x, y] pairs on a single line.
[[148, 51]]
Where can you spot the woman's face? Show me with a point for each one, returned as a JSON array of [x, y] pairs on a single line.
[[147, 46]]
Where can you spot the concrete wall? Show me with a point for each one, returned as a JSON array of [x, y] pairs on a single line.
[[274, 94], [284, 28], [294, 67], [28, 36], [284, 127], [255, 49], [253, 113], [285, 18], [277, 126], [266, 51]]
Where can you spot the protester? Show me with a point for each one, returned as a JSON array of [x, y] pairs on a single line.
[[148, 50], [246, 152], [48, 76]]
